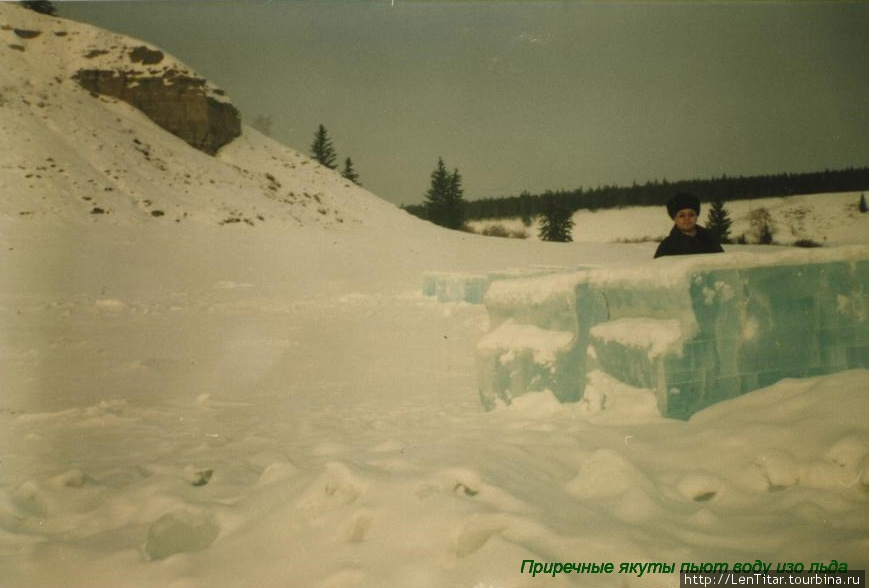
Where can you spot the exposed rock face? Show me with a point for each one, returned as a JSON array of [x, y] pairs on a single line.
[[180, 103]]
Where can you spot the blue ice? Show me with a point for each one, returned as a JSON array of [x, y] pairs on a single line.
[[695, 330]]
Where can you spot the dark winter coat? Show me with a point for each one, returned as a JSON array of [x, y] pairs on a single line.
[[678, 243]]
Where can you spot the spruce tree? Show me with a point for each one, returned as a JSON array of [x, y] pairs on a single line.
[[526, 207], [557, 221], [321, 148], [455, 202], [444, 204], [718, 221], [350, 173]]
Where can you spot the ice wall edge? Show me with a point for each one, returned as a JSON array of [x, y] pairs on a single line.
[[695, 330]]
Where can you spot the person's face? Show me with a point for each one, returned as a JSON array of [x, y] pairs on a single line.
[[686, 220]]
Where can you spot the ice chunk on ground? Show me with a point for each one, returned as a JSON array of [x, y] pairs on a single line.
[[180, 531], [529, 359], [611, 400]]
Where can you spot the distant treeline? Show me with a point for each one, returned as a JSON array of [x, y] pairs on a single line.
[[656, 193]]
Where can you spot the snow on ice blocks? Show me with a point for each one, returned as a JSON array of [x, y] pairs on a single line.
[[448, 287], [472, 288], [695, 329]]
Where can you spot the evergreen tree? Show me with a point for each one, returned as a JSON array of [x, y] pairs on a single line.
[[719, 221], [863, 208], [41, 6], [444, 204], [321, 148], [557, 221], [435, 197], [455, 202], [526, 207], [350, 173]]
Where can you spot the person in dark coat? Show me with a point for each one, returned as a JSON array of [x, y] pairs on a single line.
[[687, 237]]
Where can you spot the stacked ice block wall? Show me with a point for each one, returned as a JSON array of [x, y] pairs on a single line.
[[696, 330], [472, 288]]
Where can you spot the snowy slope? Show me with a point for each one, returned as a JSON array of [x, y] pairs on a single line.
[[66, 153], [194, 404]]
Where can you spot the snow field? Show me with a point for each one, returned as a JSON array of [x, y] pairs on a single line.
[[393, 475]]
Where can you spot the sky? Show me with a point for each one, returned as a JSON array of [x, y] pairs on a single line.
[[532, 95]]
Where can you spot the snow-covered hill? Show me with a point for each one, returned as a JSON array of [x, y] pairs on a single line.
[[204, 397], [73, 155]]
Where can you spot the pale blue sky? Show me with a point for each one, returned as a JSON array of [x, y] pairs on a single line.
[[533, 95]]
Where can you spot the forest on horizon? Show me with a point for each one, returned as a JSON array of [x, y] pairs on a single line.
[[656, 193]]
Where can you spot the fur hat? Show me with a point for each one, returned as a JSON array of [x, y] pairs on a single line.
[[681, 201]]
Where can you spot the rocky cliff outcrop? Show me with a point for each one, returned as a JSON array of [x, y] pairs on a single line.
[[181, 103], [164, 89]]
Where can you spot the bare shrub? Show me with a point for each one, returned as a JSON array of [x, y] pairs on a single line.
[[762, 226], [499, 230]]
